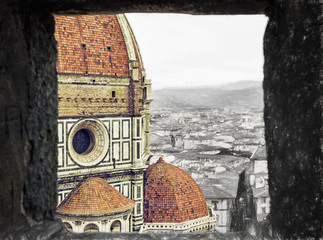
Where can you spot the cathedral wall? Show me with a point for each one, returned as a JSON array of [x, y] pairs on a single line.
[[119, 156], [123, 138], [196, 225], [118, 136], [83, 96], [113, 223]]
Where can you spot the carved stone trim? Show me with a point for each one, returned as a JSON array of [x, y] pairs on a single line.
[[99, 142]]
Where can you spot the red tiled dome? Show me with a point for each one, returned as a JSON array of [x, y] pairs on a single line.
[[171, 195], [94, 196], [93, 45]]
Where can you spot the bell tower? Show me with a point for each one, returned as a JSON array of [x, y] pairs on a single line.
[[104, 97]]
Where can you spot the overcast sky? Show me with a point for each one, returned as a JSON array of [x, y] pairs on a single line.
[[184, 50]]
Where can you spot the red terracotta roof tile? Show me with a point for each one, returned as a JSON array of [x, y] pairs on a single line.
[[95, 197], [82, 45], [171, 195]]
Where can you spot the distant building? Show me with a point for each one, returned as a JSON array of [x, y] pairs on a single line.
[[158, 139], [222, 203], [192, 141], [258, 175], [221, 191], [177, 141], [262, 202], [245, 146], [259, 160]]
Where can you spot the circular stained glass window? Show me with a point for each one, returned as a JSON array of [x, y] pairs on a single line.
[[88, 142], [82, 141]]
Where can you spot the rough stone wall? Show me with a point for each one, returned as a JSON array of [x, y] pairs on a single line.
[[49, 230], [293, 116], [28, 93], [166, 6], [293, 109]]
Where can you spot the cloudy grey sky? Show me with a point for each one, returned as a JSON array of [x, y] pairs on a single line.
[[184, 50]]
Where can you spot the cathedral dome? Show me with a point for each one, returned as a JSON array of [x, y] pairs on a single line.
[[171, 195], [94, 197], [99, 67], [101, 45]]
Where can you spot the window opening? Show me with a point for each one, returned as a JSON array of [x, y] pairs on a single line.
[[68, 226], [117, 187], [138, 150], [263, 209], [116, 226], [215, 204], [138, 208], [138, 192], [138, 127], [83, 141], [91, 228]]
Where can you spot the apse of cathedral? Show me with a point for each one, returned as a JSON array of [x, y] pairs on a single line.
[[103, 137]]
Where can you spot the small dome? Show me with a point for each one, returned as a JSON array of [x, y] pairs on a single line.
[[171, 195], [94, 196]]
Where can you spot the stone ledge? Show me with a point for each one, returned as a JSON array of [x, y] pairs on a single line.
[[55, 230], [148, 6]]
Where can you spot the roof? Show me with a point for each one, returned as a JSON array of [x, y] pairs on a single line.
[[171, 195], [229, 181], [260, 192], [95, 45], [94, 197], [215, 192]]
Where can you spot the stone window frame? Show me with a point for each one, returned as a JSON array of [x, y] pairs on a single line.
[[40, 55]]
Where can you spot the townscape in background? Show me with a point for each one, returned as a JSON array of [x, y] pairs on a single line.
[[214, 145]]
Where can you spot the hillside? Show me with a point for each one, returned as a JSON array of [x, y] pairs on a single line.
[[239, 94]]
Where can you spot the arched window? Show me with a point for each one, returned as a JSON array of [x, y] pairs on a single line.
[[91, 228], [68, 226], [115, 226]]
